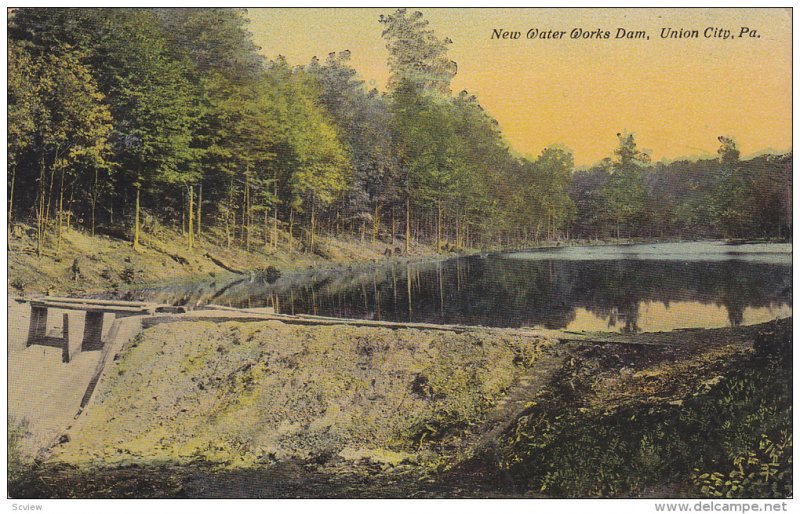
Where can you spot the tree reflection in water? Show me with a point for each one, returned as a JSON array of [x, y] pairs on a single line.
[[496, 291]]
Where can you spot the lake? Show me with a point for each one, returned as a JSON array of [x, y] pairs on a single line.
[[626, 288]]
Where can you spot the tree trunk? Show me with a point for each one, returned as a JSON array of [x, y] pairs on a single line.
[[439, 226], [248, 210], [191, 217], [291, 229], [408, 224], [275, 220], [313, 222], [60, 211], [68, 224], [11, 198], [50, 192], [394, 227], [136, 223], [199, 210], [94, 200], [245, 234], [376, 222], [228, 215], [183, 212], [266, 228], [408, 289], [40, 210]]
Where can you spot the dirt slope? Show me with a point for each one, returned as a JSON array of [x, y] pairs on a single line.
[[243, 394]]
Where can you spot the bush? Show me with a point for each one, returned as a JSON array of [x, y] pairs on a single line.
[[18, 464], [733, 441]]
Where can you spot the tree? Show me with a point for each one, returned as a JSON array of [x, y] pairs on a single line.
[[72, 126], [311, 167], [732, 205], [226, 69], [364, 123], [727, 151], [624, 192], [23, 102], [586, 191], [427, 148], [416, 55], [483, 168], [215, 40], [420, 79], [553, 174]]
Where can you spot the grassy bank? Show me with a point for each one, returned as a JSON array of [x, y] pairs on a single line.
[[84, 264]]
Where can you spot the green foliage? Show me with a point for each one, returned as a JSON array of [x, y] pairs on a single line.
[[731, 441], [160, 100], [764, 472], [153, 103], [543, 196], [321, 172], [22, 100], [624, 192], [425, 130], [416, 55], [364, 126], [71, 121]]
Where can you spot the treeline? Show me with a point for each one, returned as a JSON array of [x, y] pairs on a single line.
[[723, 197], [135, 117]]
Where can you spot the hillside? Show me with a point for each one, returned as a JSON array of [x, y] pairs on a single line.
[[87, 264]]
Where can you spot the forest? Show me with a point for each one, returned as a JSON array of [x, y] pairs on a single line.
[[122, 119]]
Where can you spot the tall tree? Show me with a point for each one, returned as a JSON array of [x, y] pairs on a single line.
[[23, 102], [364, 123], [416, 54], [484, 165], [586, 191], [732, 205], [624, 192], [426, 143], [72, 125], [315, 165], [553, 170]]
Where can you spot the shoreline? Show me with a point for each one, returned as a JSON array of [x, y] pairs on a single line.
[[50, 273]]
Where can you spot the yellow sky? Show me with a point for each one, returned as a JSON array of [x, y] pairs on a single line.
[[676, 95]]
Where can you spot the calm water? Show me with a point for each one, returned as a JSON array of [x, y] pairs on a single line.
[[612, 288]]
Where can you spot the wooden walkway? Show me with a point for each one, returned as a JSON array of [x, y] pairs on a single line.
[[77, 336]]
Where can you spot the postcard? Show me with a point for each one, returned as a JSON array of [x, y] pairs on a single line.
[[399, 253]]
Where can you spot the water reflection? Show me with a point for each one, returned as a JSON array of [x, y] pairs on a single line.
[[615, 295]]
